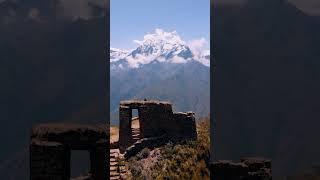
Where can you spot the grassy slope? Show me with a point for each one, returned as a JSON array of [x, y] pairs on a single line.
[[187, 161]]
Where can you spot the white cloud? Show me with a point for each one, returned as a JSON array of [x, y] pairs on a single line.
[[197, 46], [199, 49], [117, 54], [178, 60], [138, 42], [159, 44], [158, 36], [139, 59]]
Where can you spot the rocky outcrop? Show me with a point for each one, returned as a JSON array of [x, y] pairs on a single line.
[[145, 143]]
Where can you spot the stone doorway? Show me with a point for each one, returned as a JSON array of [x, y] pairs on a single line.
[[135, 126], [52, 144], [156, 119]]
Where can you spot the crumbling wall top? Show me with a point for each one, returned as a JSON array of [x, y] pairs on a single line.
[[37, 142], [137, 103], [189, 113], [43, 130]]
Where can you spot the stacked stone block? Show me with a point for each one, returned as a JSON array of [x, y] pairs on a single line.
[[125, 116], [185, 126], [49, 160], [156, 119], [51, 146], [246, 169]]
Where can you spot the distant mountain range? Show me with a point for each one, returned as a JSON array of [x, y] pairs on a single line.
[[160, 46], [162, 67]]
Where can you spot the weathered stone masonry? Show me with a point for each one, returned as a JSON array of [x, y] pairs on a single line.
[[156, 119], [51, 145], [253, 168]]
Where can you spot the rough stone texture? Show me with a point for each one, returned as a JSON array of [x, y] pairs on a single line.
[[228, 170], [99, 165], [259, 168], [145, 143], [51, 145], [185, 125], [256, 163], [88, 177], [156, 119], [48, 160], [77, 136], [247, 169], [125, 115]]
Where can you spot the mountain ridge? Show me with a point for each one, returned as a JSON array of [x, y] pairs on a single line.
[[162, 67], [159, 46]]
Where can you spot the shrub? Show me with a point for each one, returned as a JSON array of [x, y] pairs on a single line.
[[143, 154], [182, 161]]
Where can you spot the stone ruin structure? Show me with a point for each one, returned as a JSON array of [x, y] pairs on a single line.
[[51, 145], [252, 168], [156, 119]]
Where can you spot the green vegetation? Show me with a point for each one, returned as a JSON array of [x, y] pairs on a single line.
[[182, 161]]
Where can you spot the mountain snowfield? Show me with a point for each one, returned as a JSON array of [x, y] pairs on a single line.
[[162, 67], [160, 46]]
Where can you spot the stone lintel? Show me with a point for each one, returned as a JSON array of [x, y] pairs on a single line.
[[77, 136], [189, 113], [37, 142]]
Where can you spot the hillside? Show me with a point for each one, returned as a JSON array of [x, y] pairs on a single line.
[[185, 161]]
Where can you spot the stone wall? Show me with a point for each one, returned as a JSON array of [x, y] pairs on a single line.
[[51, 145], [246, 169], [156, 119], [49, 160], [125, 116], [185, 125]]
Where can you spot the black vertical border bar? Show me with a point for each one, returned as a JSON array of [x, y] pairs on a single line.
[[106, 61], [212, 91]]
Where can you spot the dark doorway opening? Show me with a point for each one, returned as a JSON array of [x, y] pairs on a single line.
[[79, 163], [135, 125]]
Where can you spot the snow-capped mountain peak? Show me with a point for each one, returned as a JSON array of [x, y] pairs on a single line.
[[159, 46], [117, 54]]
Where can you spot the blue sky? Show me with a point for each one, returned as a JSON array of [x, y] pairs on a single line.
[[132, 19]]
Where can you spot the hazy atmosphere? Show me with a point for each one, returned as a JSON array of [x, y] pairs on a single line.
[[160, 50]]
